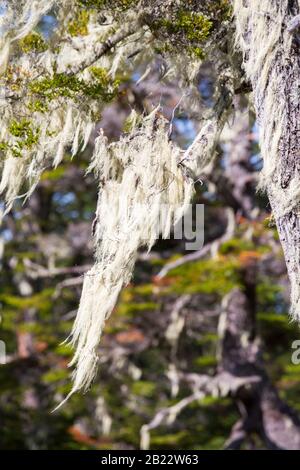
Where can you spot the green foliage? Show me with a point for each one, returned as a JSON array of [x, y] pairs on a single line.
[[42, 301], [143, 388], [215, 277], [204, 362]]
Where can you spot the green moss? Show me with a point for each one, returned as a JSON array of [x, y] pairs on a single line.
[[64, 350], [129, 124], [23, 129], [19, 128], [131, 308], [188, 28], [143, 289], [37, 106], [99, 88], [4, 146], [272, 318], [27, 136], [267, 293], [33, 42], [212, 401], [195, 26], [208, 338], [238, 245], [54, 174], [196, 51], [79, 26], [164, 441], [70, 86]]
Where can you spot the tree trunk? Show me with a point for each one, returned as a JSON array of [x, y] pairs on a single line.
[[271, 50], [262, 411]]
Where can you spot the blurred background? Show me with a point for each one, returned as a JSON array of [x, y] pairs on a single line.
[[197, 354]]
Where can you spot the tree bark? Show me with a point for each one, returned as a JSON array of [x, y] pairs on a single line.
[[262, 411], [273, 66]]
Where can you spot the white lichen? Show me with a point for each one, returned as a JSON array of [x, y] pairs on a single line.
[[139, 174]]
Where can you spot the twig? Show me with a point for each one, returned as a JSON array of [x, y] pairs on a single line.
[[37, 271], [73, 282], [101, 49]]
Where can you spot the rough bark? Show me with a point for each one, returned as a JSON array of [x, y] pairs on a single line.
[[262, 411], [273, 66], [289, 152]]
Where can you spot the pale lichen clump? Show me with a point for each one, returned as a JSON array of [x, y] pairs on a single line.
[[45, 106]]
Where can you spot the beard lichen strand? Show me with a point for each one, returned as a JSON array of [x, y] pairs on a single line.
[[272, 63], [139, 176]]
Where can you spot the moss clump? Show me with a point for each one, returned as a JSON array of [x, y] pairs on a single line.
[[33, 42], [188, 29], [79, 26], [27, 136], [4, 146], [70, 86], [37, 106], [195, 26], [23, 129]]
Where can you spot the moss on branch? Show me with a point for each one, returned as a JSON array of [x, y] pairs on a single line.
[[70, 86]]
